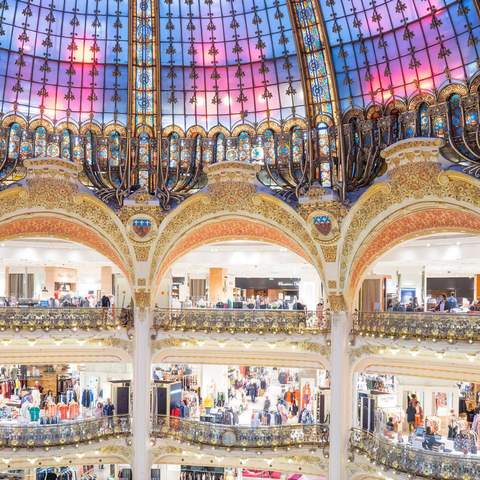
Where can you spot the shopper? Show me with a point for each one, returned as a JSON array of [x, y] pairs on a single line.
[[98, 412], [429, 439], [411, 412], [266, 405], [441, 305], [105, 302], [108, 410], [451, 302]]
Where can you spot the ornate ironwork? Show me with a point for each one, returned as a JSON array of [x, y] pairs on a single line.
[[25, 318], [234, 436], [241, 321], [171, 167], [418, 325], [413, 461], [68, 433]]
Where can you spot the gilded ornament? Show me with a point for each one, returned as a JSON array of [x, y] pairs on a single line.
[[336, 303], [409, 179], [142, 298]]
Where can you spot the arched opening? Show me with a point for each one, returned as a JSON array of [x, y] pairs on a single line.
[[14, 139], [241, 271], [228, 228], [219, 148], [423, 120], [244, 147], [40, 141], [61, 228], [324, 153], [405, 225], [414, 275], [66, 144]]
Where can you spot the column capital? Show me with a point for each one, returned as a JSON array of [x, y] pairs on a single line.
[[142, 298], [337, 303]]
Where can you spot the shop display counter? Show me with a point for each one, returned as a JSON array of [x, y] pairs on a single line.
[[66, 433], [414, 461], [241, 437], [39, 318], [451, 327], [223, 320]]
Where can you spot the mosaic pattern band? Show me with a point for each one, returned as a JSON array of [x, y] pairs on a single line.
[[30, 319], [412, 461], [240, 321], [227, 436], [451, 327], [68, 433]]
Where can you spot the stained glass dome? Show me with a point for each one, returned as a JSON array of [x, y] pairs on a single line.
[[207, 63], [145, 93]]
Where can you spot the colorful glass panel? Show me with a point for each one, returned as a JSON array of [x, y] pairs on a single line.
[[456, 124], [66, 145], [64, 60], [40, 142], [225, 62], [399, 48], [313, 50], [14, 138], [424, 120]]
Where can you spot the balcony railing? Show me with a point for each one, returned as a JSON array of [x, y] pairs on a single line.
[[241, 321], [413, 461], [449, 327], [240, 437], [37, 318], [69, 433]]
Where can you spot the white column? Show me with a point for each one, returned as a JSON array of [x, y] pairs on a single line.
[[141, 394], [341, 395]]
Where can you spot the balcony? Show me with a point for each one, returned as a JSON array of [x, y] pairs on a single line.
[[234, 321], [241, 437], [450, 327], [37, 318], [64, 434], [412, 461]]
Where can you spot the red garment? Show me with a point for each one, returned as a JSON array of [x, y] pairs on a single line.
[[63, 411], [73, 410]]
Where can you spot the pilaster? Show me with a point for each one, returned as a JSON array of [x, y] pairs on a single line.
[[141, 465], [341, 394]]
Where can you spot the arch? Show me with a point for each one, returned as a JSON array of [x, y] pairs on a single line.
[[219, 148], [405, 225], [423, 120], [229, 229], [231, 210], [65, 228]]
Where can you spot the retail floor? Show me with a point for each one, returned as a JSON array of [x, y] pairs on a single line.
[[272, 392]]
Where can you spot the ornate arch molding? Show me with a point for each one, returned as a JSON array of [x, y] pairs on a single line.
[[235, 228], [55, 207], [415, 181], [231, 210], [406, 225]]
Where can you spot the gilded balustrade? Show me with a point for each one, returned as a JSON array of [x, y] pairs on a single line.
[[233, 321], [413, 461], [37, 318], [63, 434], [241, 437], [451, 327]]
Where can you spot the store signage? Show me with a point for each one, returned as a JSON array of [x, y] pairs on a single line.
[[323, 224], [387, 400]]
